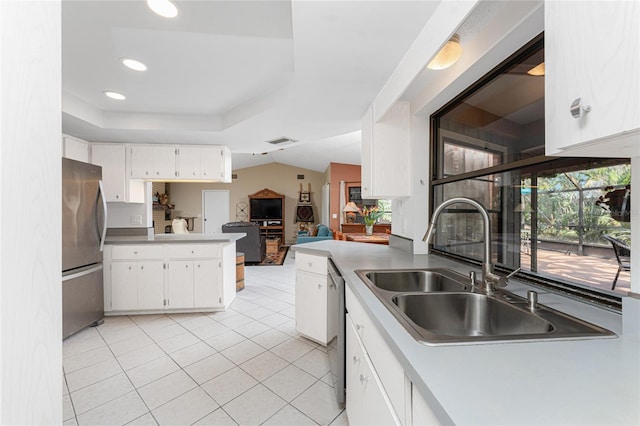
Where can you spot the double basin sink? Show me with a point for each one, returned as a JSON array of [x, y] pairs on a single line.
[[441, 306]]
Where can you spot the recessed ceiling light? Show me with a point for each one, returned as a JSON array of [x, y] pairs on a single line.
[[115, 95], [163, 8], [133, 64]]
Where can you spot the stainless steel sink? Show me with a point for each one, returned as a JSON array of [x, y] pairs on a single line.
[[439, 306], [453, 315], [425, 280]]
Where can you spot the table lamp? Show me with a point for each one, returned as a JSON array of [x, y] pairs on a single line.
[[350, 210]]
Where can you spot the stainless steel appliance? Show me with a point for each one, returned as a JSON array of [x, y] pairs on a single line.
[[336, 348], [84, 226]]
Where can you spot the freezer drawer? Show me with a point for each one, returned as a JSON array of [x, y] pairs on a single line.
[[82, 299]]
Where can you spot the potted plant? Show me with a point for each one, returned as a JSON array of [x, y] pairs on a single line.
[[370, 216]]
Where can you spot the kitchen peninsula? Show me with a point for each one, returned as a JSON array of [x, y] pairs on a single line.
[[547, 382], [166, 273]]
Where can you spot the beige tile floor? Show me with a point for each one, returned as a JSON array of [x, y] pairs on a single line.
[[246, 366]]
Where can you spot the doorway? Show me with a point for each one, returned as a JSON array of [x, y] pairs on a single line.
[[215, 210]]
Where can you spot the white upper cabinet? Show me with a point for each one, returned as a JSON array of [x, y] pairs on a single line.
[[75, 149], [181, 162], [211, 163], [153, 162], [386, 165], [117, 185], [189, 162], [216, 163], [592, 60]]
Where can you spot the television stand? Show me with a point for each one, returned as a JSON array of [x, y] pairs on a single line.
[[274, 226]]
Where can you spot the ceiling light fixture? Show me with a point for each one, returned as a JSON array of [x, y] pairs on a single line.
[[537, 71], [115, 95], [163, 8], [448, 55], [133, 64]]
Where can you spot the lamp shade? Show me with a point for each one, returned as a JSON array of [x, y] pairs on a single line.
[[448, 55], [350, 207]]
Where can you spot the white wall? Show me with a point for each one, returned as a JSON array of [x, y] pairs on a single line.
[[30, 214], [121, 215]]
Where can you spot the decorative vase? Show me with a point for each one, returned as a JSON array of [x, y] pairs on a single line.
[[368, 229]]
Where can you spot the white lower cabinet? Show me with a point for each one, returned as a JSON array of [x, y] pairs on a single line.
[[378, 390], [169, 276], [180, 284], [316, 299], [207, 283], [367, 402]]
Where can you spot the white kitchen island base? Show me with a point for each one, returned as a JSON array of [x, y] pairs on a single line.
[[150, 275]]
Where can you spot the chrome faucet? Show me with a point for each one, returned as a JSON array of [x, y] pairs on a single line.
[[489, 280]]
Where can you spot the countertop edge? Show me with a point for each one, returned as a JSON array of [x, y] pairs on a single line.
[[175, 238]]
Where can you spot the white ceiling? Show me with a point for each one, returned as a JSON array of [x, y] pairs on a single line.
[[237, 73]]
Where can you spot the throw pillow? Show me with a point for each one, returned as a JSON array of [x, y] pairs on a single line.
[[314, 231], [323, 231]]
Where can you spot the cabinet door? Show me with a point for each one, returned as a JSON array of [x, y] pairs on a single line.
[[142, 161], [212, 165], [164, 162], [151, 285], [367, 403], [75, 149], [311, 306], [385, 145], [366, 148], [207, 285], [592, 52], [124, 286], [189, 162], [112, 160], [180, 285]]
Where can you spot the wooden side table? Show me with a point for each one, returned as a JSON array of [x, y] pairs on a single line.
[[273, 246]]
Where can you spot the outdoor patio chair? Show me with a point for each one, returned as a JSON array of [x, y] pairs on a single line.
[[623, 255]]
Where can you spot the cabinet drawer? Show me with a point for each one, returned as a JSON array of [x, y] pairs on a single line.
[[311, 263], [132, 252], [389, 369], [194, 251]]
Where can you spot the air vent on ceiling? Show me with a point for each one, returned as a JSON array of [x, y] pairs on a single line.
[[282, 141]]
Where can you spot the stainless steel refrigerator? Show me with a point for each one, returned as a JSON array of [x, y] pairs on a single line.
[[84, 226]]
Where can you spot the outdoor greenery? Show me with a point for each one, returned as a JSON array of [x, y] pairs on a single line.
[[561, 196]]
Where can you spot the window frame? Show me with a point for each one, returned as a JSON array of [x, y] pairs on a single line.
[[436, 179]]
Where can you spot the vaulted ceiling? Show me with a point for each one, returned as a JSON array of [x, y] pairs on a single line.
[[238, 73]]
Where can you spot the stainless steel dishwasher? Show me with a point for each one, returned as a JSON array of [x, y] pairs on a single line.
[[336, 347]]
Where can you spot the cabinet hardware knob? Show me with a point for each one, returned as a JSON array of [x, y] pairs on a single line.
[[141, 267], [319, 286], [577, 109], [135, 252], [363, 379], [310, 264], [356, 359], [359, 327]]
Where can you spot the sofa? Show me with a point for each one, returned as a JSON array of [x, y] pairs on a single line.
[[253, 245], [323, 233]]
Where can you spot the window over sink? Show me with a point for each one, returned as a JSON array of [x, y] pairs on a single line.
[[547, 213]]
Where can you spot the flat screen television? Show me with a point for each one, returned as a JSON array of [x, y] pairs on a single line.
[[266, 208]]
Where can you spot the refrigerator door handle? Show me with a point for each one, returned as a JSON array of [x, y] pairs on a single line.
[[82, 273], [104, 206]]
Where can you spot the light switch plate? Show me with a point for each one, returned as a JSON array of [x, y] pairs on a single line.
[[335, 215]]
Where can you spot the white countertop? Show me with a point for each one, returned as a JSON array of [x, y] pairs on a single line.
[[175, 238], [553, 382]]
